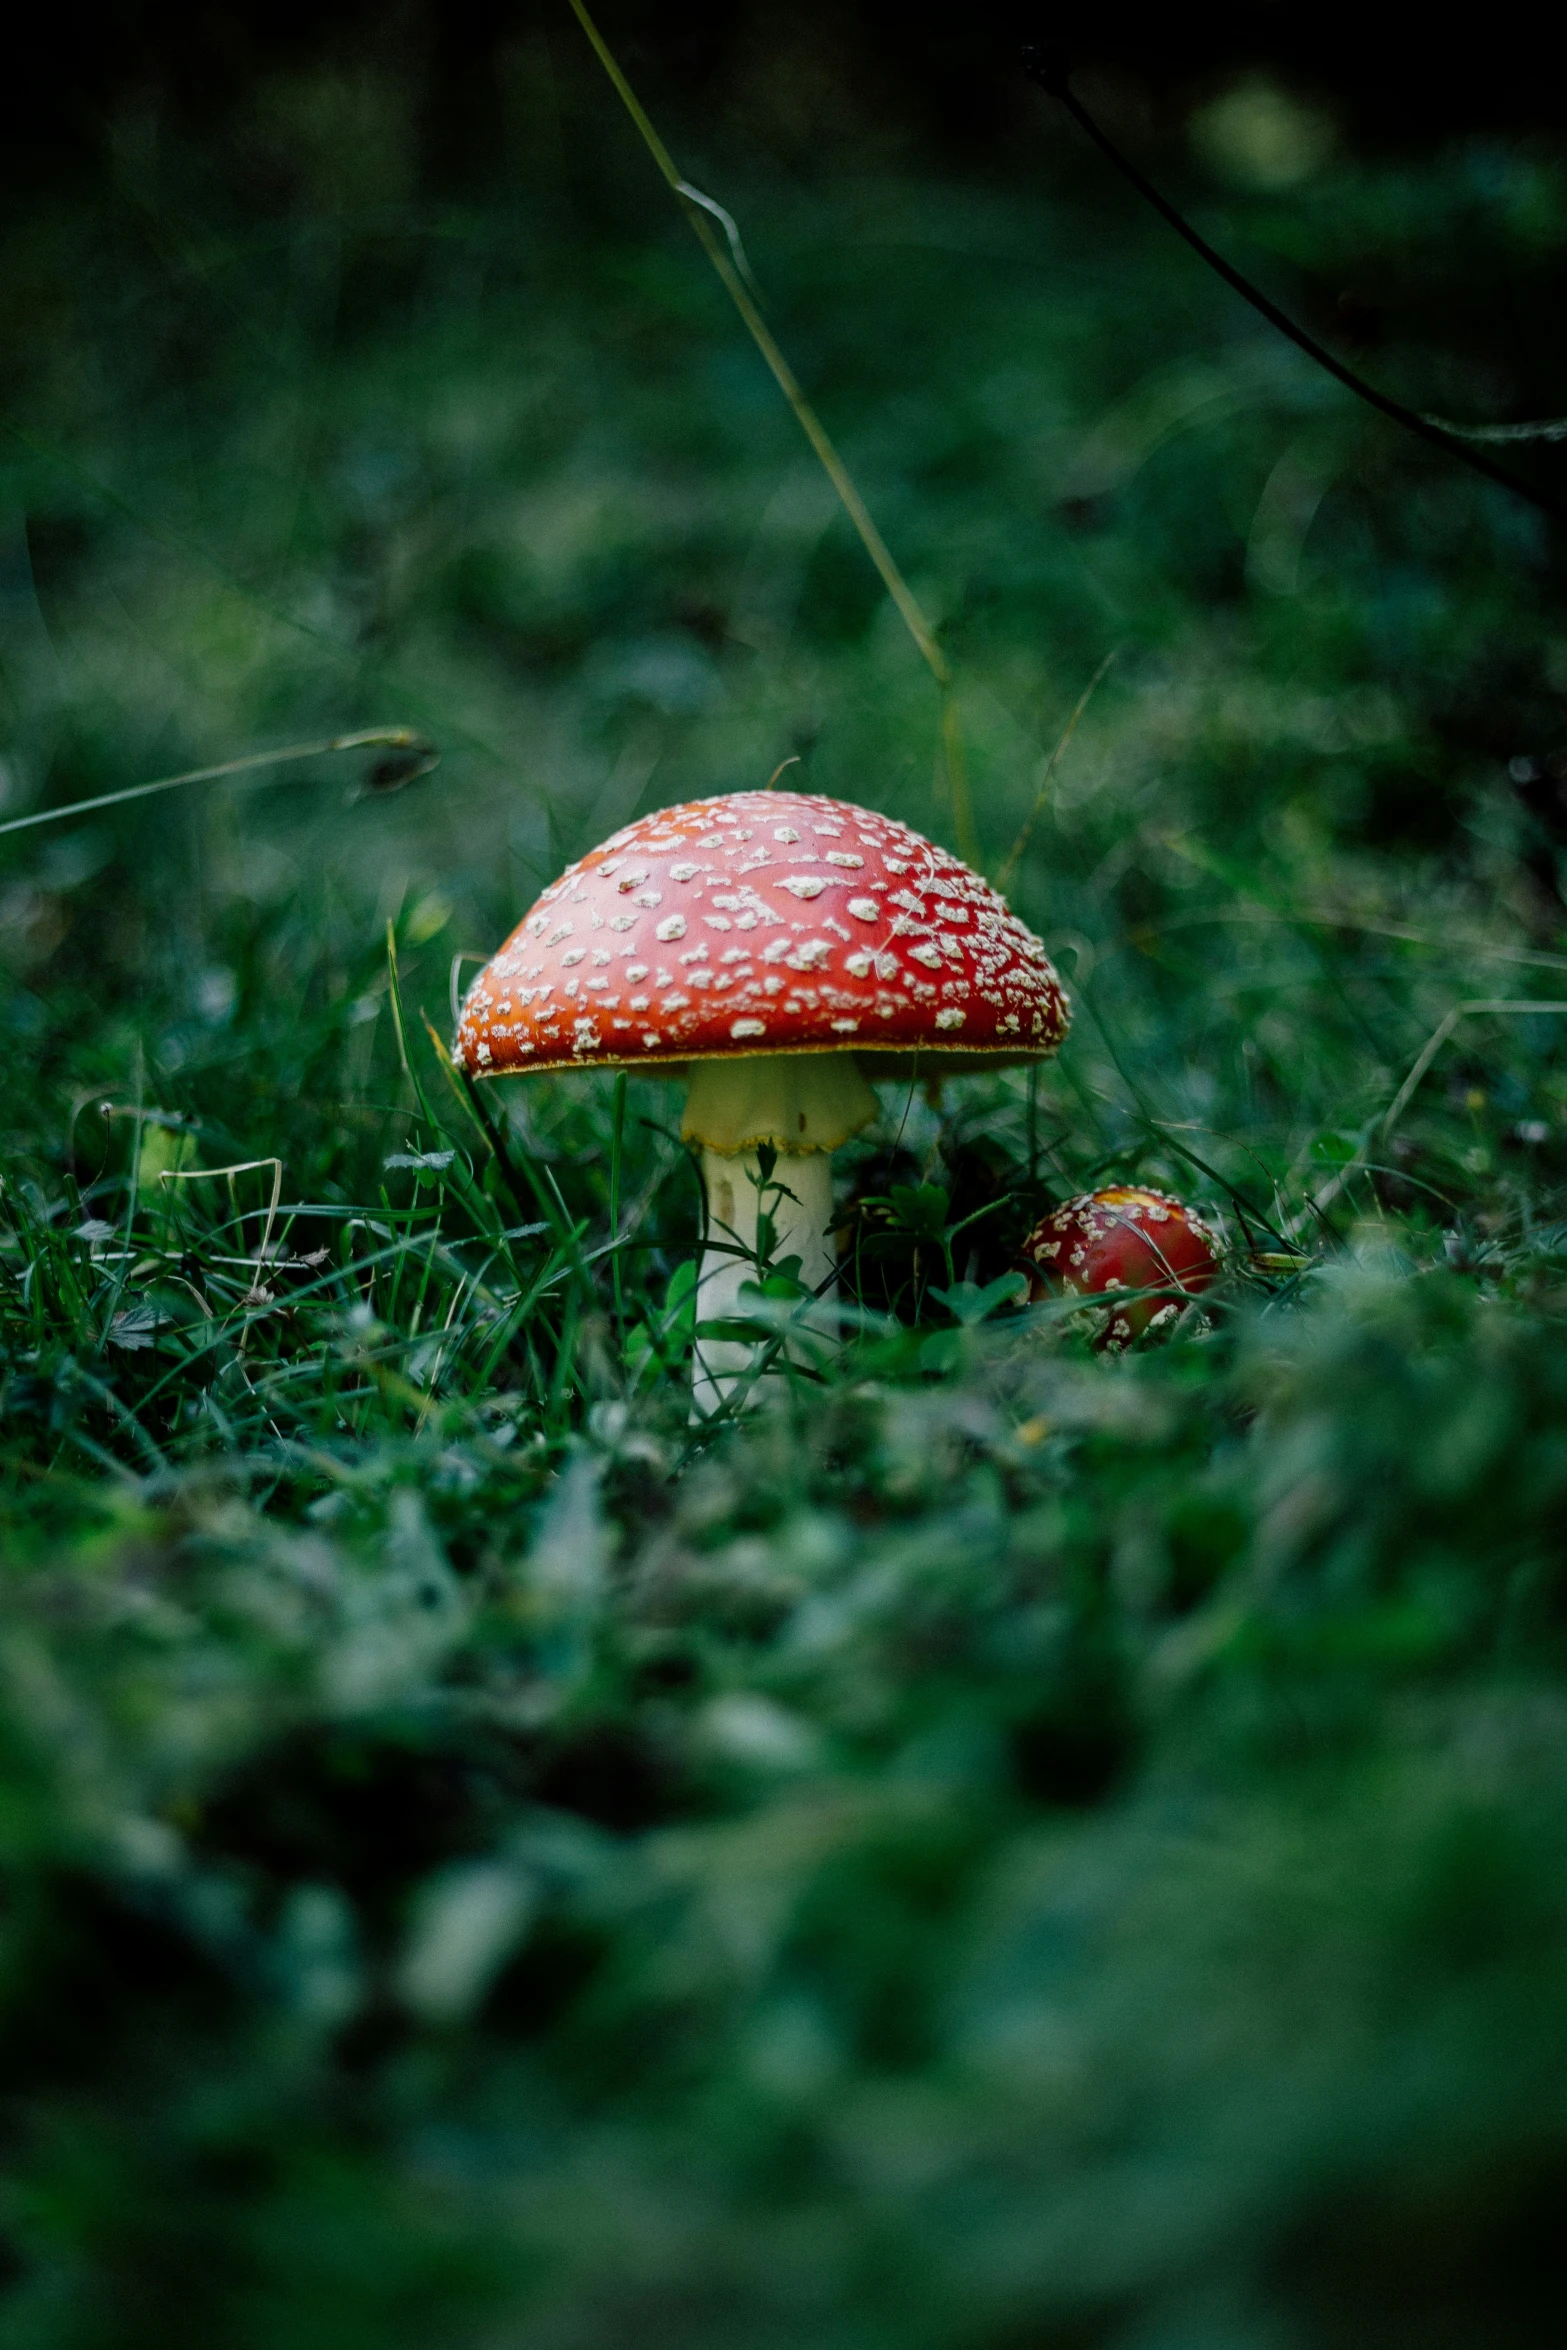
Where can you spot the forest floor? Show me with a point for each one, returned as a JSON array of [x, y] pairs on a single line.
[[1005, 1844]]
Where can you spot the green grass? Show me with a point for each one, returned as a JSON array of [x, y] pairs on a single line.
[[1004, 1846]]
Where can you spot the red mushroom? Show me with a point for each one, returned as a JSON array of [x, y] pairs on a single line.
[[1126, 1238], [778, 949]]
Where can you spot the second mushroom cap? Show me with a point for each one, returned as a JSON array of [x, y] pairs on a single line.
[[1126, 1237]]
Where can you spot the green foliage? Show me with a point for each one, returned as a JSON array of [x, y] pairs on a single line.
[[998, 1844]]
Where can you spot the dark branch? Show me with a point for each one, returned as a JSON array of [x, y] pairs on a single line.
[[1050, 67]]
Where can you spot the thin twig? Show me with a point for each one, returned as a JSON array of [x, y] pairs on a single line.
[[396, 738], [241, 1167], [1545, 428], [1051, 69], [257, 1294], [728, 223]]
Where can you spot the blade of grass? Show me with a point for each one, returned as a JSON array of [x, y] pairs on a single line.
[[696, 208], [1428, 1052], [1009, 862], [401, 738]]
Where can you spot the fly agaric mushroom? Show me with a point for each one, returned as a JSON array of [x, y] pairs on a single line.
[[1125, 1238], [777, 949]]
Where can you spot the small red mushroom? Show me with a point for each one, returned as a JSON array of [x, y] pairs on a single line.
[[1126, 1238], [780, 951]]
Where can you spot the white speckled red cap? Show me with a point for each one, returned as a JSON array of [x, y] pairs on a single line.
[[765, 922], [1126, 1238]]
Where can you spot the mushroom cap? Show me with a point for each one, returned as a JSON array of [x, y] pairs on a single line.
[[1126, 1237], [765, 922]]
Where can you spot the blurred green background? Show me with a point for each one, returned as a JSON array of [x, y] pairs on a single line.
[[1008, 1847]]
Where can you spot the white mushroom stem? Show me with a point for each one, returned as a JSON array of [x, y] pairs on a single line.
[[735, 1203], [804, 1104]]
